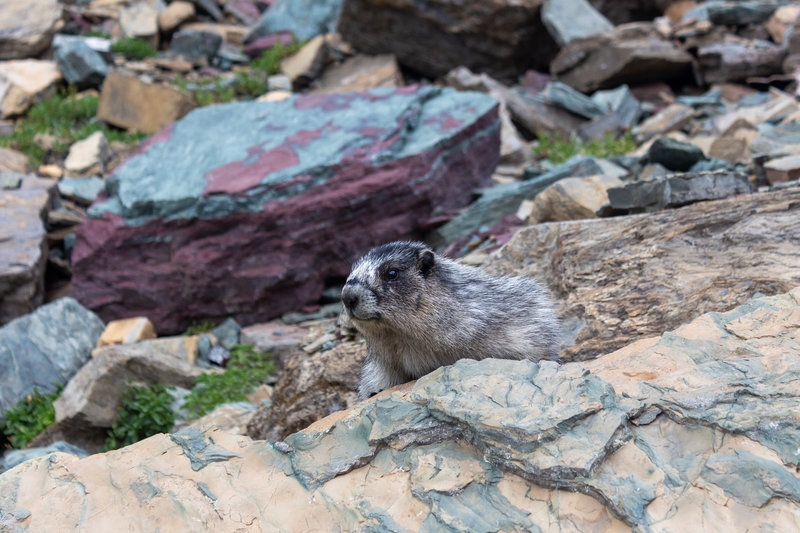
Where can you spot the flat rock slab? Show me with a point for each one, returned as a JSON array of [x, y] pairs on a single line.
[[621, 279], [23, 244], [26, 27], [246, 209], [45, 348], [619, 443]]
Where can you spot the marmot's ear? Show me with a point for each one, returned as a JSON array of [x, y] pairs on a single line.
[[426, 261]]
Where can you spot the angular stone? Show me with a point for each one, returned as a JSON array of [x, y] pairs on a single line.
[[280, 340], [13, 161], [740, 13], [140, 21], [24, 83], [45, 348], [23, 245], [669, 119], [359, 73], [26, 27], [736, 61], [128, 331], [100, 45], [626, 54], [703, 261], [174, 15], [81, 190], [80, 65], [567, 20], [777, 104], [127, 102], [781, 20], [304, 66], [94, 393], [15, 457], [783, 169], [89, 156], [492, 36], [568, 98], [572, 199], [674, 154], [229, 417], [230, 33], [320, 166], [304, 18], [195, 44]]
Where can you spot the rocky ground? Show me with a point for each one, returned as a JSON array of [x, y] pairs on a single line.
[[185, 184]]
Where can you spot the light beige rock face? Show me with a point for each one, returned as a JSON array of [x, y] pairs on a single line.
[[572, 199], [359, 73], [25, 82], [307, 63], [89, 156], [127, 331], [618, 444], [26, 26], [174, 15], [620, 279], [13, 161]]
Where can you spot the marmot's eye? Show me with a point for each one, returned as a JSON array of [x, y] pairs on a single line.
[[391, 274]]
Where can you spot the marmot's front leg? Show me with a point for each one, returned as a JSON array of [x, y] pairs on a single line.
[[377, 376]]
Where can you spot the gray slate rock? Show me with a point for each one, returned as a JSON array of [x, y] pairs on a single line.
[[82, 190], [674, 154], [677, 190], [45, 348], [566, 97], [567, 20], [227, 333], [195, 44], [304, 18], [15, 457], [80, 65]]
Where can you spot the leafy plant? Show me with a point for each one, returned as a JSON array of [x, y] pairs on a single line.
[[199, 327], [66, 117], [29, 417], [145, 411], [133, 48], [246, 369], [270, 60], [557, 149]]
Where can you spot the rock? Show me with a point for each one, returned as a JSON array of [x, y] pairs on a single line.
[[211, 7], [140, 21], [195, 44], [572, 19], [267, 186], [227, 333], [572, 199], [92, 396], [44, 348], [503, 200], [568, 98], [24, 83], [89, 156], [26, 27], [13, 161], [230, 33], [229, 417], [279, 83], [626, 54], [676, 190], [674, 154], [359, 73], [781, 20], [304, 66], [101, 45], [671, 118], [256, 47], [729, 13], [80, 190], [624, 11], [777, 104], [15, 457], [736, 61], [783, 169], [484, 446], [280, 340], [304, 18], [308, 389], [494, 36], [175, 15], [80, 65], [129, 103], [128, 331], [23, 244], [704, 262]]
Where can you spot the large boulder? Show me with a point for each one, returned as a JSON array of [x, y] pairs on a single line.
[[23, 243], [697, 427], [45, 348], [621, 279], [247, 209], [26, 26], [501, 37]]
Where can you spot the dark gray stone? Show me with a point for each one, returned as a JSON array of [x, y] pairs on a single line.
[[713, 98], [674, 154], [567, 20], [711, 165], [741, 13], [227, 333], [195, 44], [80, 65], [210, 7], [566, 97], [45, 348], [82, 190], [304, 18], [15, 457], [677, 190]]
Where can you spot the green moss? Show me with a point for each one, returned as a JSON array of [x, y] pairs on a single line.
[[145, 411], [246, 369], [29, 417], [199, 327], [134, 48], [68, 118], [557, 149]]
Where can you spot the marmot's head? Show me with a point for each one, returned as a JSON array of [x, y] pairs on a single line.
[[388, 283]]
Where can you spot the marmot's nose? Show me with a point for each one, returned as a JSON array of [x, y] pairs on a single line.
[[349, 299]]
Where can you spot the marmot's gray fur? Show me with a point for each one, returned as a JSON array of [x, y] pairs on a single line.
[[419, 311]]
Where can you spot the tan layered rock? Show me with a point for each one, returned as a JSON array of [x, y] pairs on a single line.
[[26, 26], [24, 83], [13, 161], [89, 156], [174, 15], [127, 331], [307, 63], [572, 199], [359, 73], [696, 427]]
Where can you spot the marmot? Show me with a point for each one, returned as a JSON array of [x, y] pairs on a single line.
[[419, 311]]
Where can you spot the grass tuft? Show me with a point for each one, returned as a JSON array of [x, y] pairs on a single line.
[[557, 149], [133, 48]]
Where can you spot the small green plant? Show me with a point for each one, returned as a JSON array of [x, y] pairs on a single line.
[[246, 369], [557, 149], [29, 417], [270, 60], [67, 118], [145, 411], [97, 33], [133, 48], [199, 327]]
